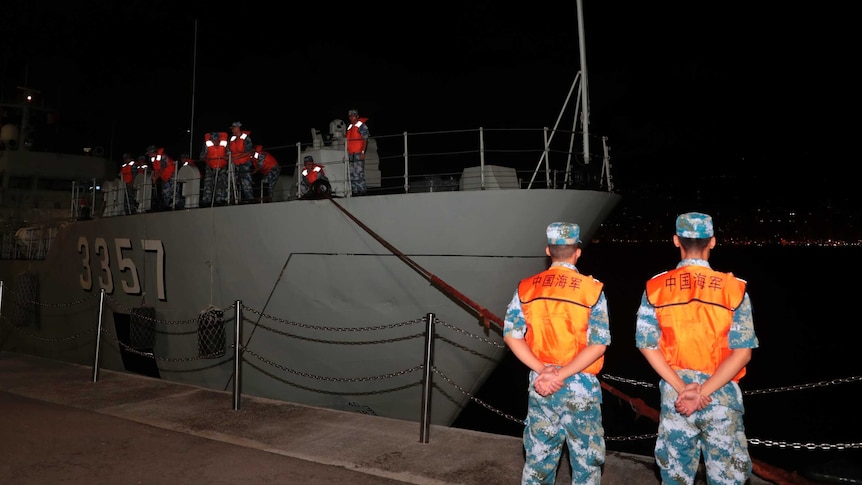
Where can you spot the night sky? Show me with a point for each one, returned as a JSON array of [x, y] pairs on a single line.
[[676, 86]]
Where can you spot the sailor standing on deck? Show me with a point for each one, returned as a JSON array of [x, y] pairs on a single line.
[[215, 154], [357, 142], [241, 148], [128, 171], [164, 170]]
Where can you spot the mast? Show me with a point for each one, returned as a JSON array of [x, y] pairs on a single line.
[[194, 83], [585, 105]]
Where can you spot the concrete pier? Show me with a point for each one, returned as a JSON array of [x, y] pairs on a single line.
[[57, 425]]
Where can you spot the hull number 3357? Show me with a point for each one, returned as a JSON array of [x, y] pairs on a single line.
[[96, 265]]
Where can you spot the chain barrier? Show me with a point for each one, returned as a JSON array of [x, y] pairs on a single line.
[[22, 297], [805, 446], [212, 343], [332, 379], [486, 340], [339, 342], [336, 329], [799, 387]]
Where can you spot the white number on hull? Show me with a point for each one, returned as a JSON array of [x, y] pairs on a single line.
[[130, 285], [86, 276], [126, 264], [157, 246], [108, 281]]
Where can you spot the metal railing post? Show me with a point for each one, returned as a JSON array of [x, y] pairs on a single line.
[[482, 158], [426, 378], [298, 171], [406, 165], [237, 355], [99, 337]]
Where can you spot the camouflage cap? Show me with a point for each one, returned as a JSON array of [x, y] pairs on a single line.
[[236, 124], [308, 158], [694, 225], [563, 233], [352, 112]]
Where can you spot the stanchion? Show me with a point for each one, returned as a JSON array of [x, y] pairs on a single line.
[[237, 355], [99, 337], [426, 378]]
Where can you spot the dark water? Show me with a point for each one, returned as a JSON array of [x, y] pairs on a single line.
[[806, 314]]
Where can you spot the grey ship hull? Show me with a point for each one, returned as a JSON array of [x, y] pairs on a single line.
[[330, 316]]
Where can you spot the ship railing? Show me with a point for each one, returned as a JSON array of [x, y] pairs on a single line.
[[475, 159]]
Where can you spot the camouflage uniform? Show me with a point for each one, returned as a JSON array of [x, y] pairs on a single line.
[[357, 174], [242, 173], [168, 194], [268, 181], [215, 179]]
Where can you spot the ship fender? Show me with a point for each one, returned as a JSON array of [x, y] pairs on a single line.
[[212, 338], [25, 310], [142, 328]]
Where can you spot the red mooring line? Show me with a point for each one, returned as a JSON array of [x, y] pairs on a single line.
[[483, 312]]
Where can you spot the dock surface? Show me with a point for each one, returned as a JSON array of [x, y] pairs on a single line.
[[59, 426]]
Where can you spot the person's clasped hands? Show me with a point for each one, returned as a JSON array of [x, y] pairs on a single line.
[[690, 400], [548, 381]]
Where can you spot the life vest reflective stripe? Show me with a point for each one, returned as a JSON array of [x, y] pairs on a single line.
[[694, 306], [557, 305]]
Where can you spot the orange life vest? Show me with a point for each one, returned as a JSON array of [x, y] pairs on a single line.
[[556, 305], [237, 148], [262, 160], [694, 306], [127, 172], [354, 138], [163, 165], [313, 174], [216, 155]]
